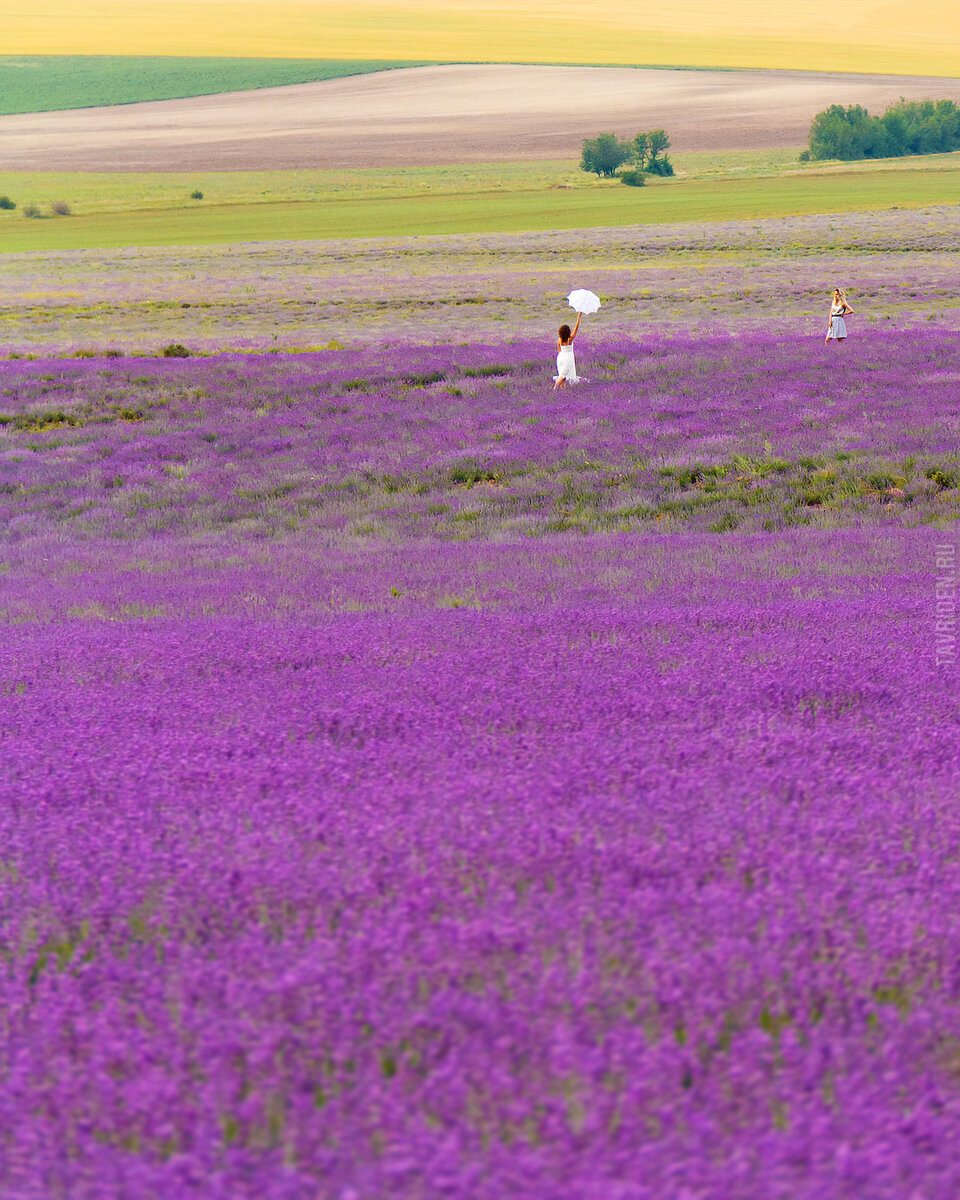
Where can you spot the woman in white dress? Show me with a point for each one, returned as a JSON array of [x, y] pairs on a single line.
[[837, 329], [566, 363]]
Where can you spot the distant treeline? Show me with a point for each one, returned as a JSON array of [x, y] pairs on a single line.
[[907, 127]]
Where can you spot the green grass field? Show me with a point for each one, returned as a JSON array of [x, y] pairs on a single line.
[[155, 210], [49, 83]]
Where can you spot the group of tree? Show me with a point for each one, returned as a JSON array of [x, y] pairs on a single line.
[[605, 154], [907, 127]]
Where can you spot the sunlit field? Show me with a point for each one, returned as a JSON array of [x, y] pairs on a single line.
[[147, 210], [895, 36], [900, 266], [418, 783]]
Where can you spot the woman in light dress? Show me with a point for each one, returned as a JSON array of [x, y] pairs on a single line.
[[837, 329], [566, 363]]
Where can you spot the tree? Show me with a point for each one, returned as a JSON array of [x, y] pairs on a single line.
[[648, 148], [832, 135], [907, 127], [948, 116], [658, 142], [604, 154]]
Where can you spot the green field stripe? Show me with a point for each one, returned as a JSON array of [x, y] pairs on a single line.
[[56, 82], [488, 212]]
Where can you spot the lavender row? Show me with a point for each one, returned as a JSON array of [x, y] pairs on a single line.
[[44, 581], [461, 442], [602, 896], [900, 267]]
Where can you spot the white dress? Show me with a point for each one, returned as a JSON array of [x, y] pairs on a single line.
[[566, 366], [838, 327]]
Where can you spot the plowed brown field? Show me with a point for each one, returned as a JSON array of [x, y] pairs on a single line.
[[444, 114]]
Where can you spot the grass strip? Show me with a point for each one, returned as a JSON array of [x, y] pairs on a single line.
[[486, 210], [49, 83]]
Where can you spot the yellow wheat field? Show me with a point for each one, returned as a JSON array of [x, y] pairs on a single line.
[[890, 36]]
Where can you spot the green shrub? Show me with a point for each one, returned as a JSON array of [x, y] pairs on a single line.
[[685, 476], [726, 523], [31, 211], [483, 372], [7, 204], [425, 380], [196, 195], [48, 419], [633, 178], [880, 481], [660, 166], [175, 350], [474, 472], [943, 478], [794, 517]]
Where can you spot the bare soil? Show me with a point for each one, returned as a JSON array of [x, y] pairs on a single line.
[[445, 114]]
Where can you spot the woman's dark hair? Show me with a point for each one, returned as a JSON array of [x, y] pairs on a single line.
[[564, 332]]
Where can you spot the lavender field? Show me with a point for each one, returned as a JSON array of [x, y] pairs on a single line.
[[419, 784], [459, 442], [902, 268]]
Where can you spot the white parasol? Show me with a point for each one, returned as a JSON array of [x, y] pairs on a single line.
[[583, 301]]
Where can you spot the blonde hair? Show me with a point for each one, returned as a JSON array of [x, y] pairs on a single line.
[[841, 293]]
